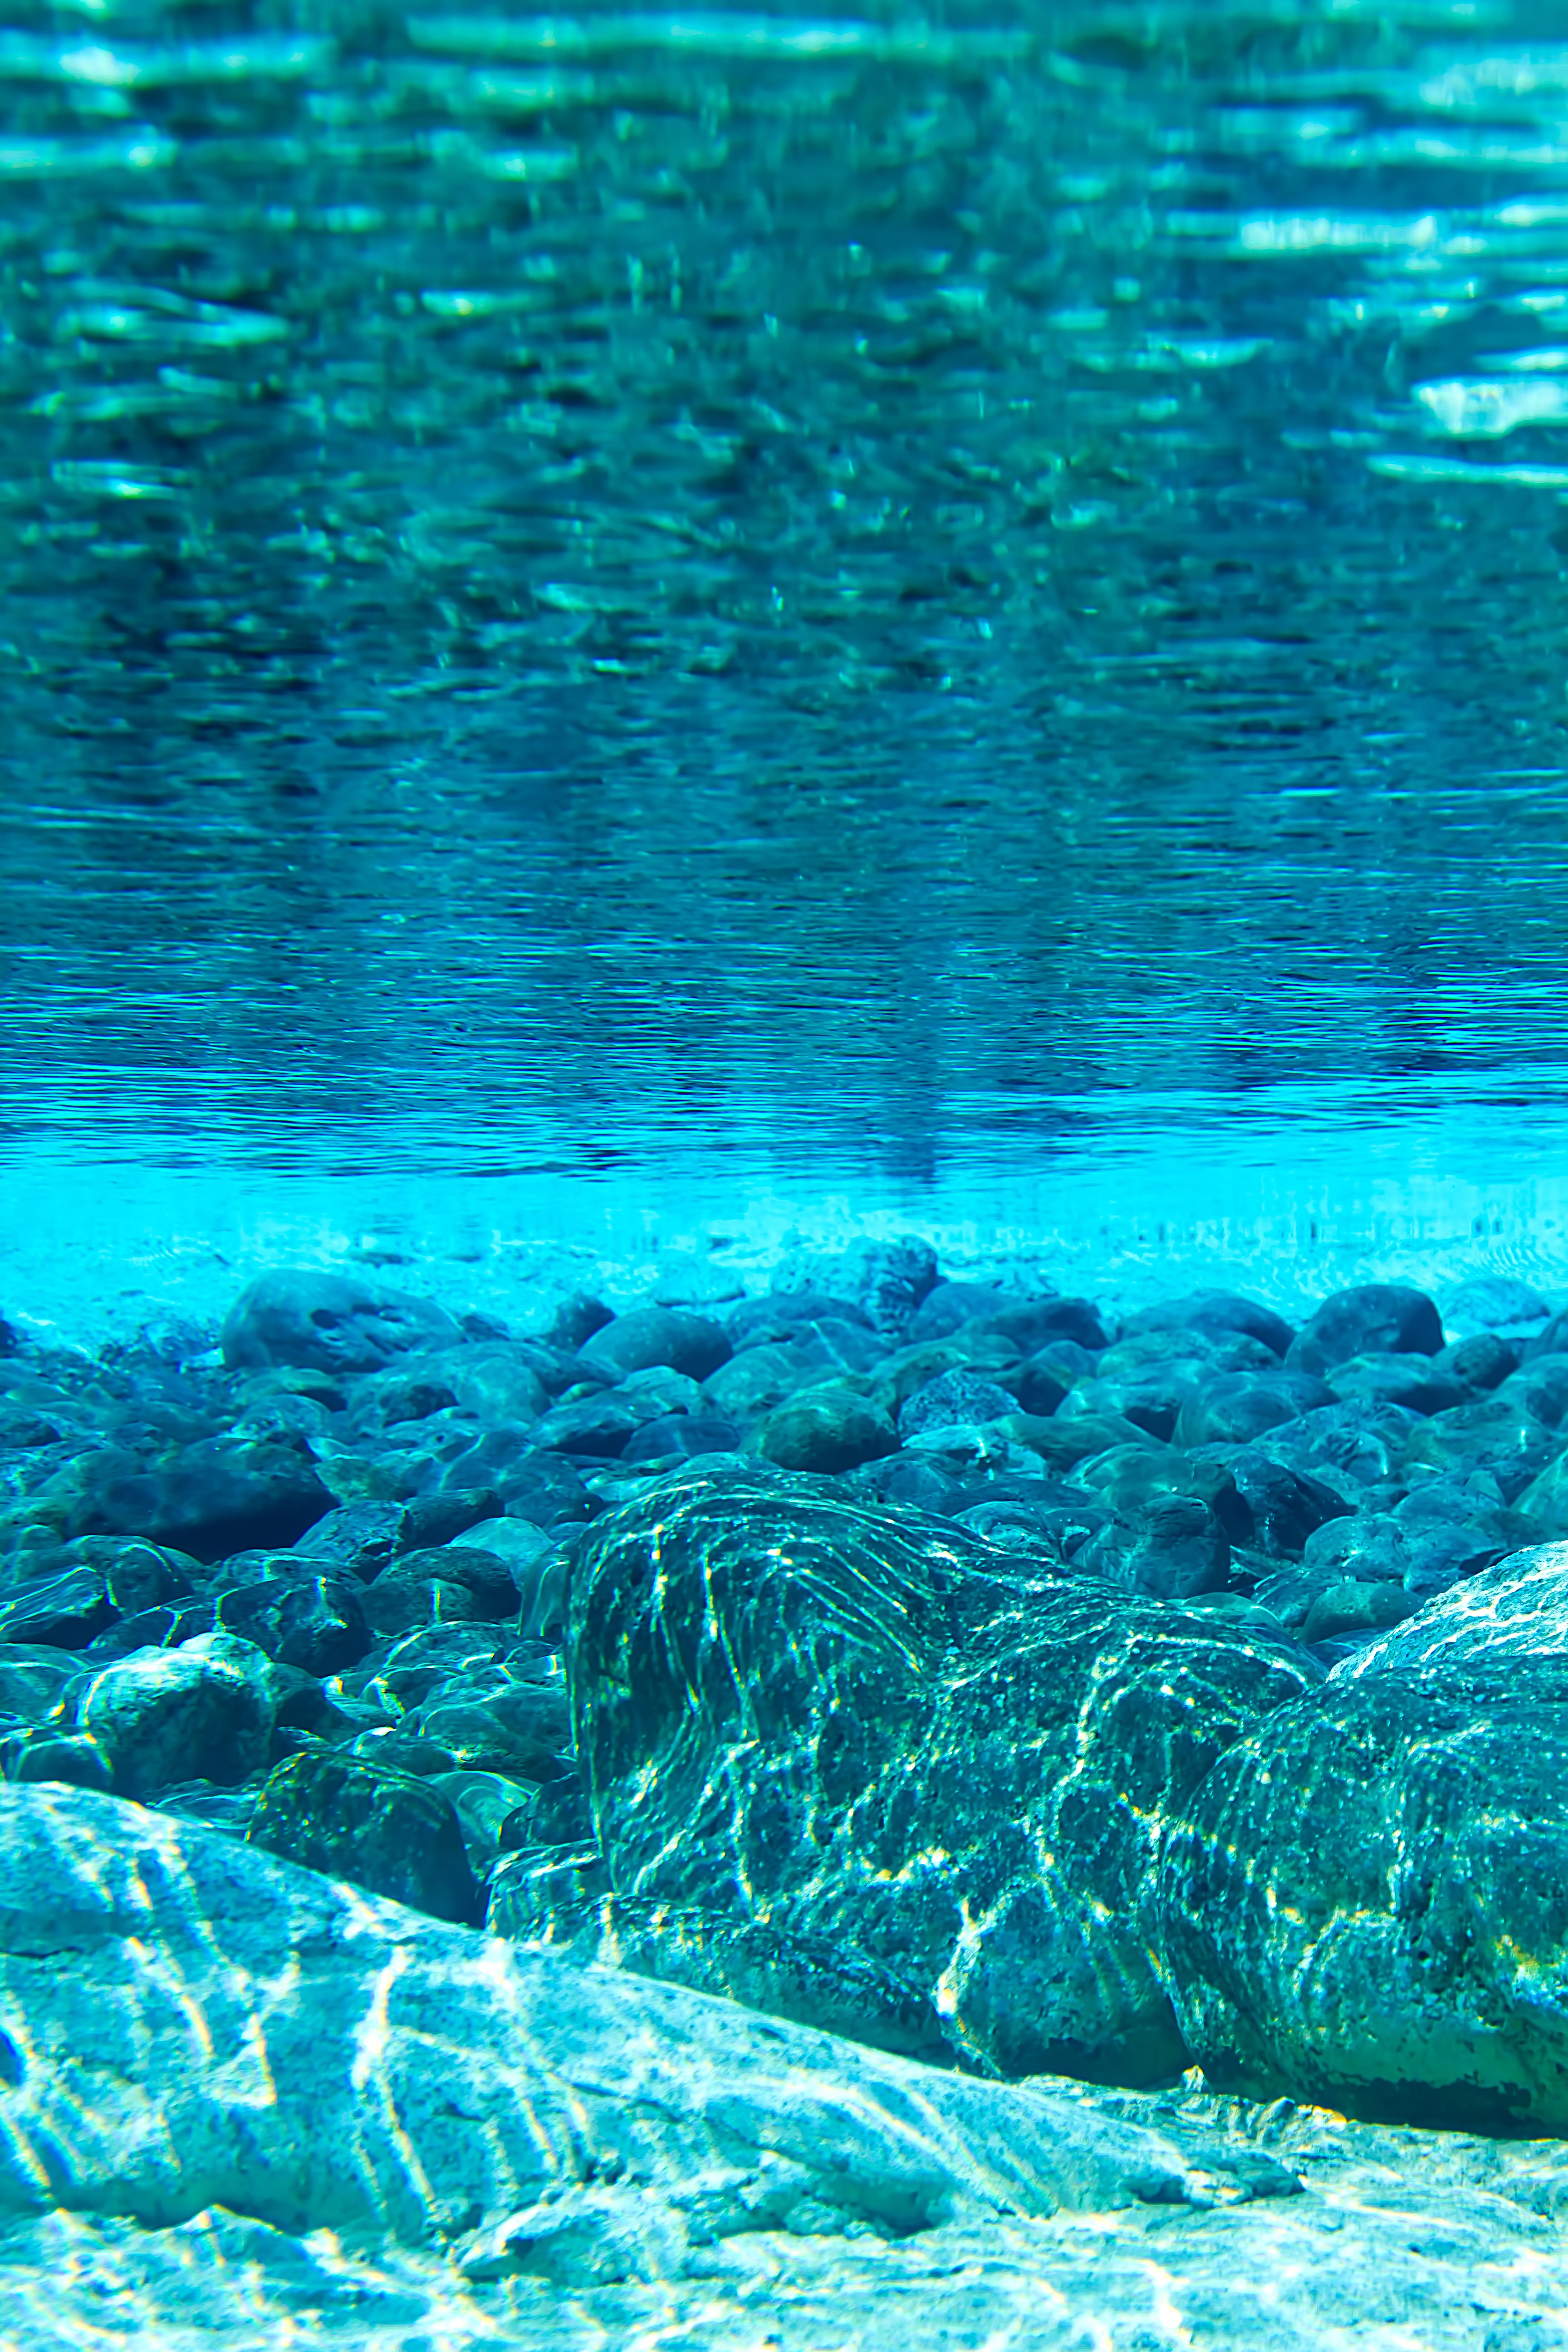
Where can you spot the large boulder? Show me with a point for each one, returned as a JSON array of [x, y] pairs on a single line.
[[801, 1715], [1366, 1906], [339, 1323]]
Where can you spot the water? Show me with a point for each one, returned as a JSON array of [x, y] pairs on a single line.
[[627, 638], [693, 608]]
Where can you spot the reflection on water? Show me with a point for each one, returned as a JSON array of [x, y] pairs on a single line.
[[874, 580]]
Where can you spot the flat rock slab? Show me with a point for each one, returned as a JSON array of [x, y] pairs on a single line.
[[186, 2022]]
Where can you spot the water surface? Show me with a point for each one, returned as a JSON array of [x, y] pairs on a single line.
[[870, 595]]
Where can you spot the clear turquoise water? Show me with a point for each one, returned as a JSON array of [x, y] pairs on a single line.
[[867, 596]]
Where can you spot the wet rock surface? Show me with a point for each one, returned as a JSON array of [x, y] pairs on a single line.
[[928, 1663]]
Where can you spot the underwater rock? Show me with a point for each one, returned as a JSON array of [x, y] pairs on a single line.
[[1174, 1549], [1392, 1939], [163, 1716], [679, 1435], [1283, 1506], [187, 2022], [328, 1322], [1517, 1609], [352, 1817], [647, 1336], [1235, 1407], [959, 1395], [1217, 1313], [1417, 1381], [101, 1580], [1481, 1361], [299, 1619], [825, 1429], [1372, 1318], [1495, 1302], [948, 1305], [885, 1280], [238, 1490], [866, 1726], [1495, 1434], [362, 1537]]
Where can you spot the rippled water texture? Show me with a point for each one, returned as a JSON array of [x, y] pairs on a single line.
[[852, 579]]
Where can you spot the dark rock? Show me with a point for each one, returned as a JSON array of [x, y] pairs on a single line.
[[955, 1396], [1038, 1386], [32, 1675], [402, 1601], [334, 1322], [1153, 1401], [1374, 1317], [597, 1426], [1481, 1362], [1049, 1532], [1129, 1479], [1551, 1339], [1031, 1324], [1285, 1504], [1415, 1382], [767, 1320], [71, 1759], [1174, 1551], [1063, 1444], [405, 1393], [10, 1338], [362, 1537], [575, 1320], [905, 1478], [316, 1622], [163, 1716], [1495, 1302], [825, 1429], [1365, 1445], [486, 1576], [104, 1578], [1214, 1312], [219, 1495], [1495, 1434], [959, 1773], [507, 1719], [352, 1818], [1384, 1942], [1541, 1387], [656, 1335]]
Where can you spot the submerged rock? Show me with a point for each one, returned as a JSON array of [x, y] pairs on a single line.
[[356, 1819], [187, 2022], [864, 1727], [329, 1322], [1366, 1907]]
